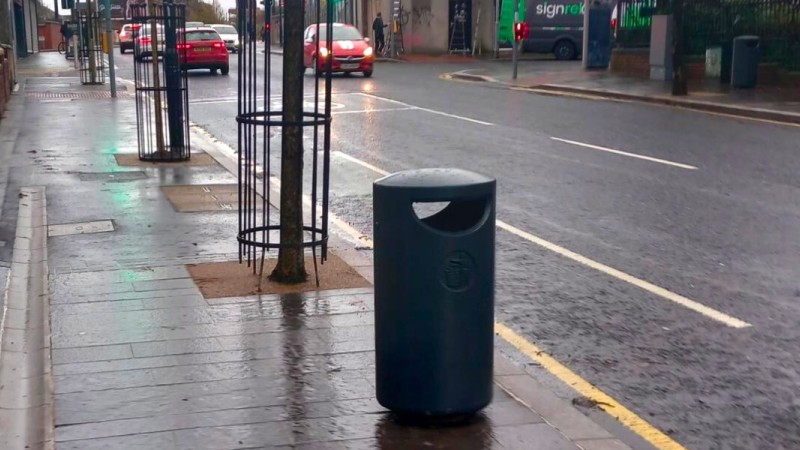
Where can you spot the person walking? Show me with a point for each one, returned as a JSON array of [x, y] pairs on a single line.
[[377, 27]]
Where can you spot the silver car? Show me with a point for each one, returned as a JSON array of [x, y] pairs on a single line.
[[143, 43], [229, 35]]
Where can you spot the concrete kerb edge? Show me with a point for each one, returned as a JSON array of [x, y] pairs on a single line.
[[571, 91], [750, 113], [466, 76], [27, 415], [504, 365]]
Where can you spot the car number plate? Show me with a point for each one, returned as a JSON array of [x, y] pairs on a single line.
[[202, 49], [349, 66]]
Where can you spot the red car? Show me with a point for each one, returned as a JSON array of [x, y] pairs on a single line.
[[349, 51], [203, 48]]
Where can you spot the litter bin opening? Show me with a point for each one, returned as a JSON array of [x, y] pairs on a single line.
[[456, 216], [423, 210]]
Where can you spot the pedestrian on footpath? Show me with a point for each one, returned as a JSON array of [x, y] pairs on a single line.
[[377, 27]]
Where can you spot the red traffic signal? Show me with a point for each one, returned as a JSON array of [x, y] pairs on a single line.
[[521, 31]]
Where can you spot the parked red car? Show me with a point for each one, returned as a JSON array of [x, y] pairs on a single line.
[[349, 51], [203, 48]]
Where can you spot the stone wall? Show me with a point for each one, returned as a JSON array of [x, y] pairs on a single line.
[[6, 75]]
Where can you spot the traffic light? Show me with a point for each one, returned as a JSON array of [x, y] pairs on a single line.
[[67, 4], [521, 31]]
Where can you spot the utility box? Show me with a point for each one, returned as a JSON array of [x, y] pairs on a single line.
[[599, 53], [744, 68], [713, 63], [661, 48], [434, 292]]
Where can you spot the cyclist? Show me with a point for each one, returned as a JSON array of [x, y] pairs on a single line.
[[66, 35]]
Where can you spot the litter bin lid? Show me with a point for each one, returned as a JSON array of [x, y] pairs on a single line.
[[434, 178], [438, 182]]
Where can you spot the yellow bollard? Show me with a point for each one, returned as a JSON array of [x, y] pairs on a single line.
[[105, 43]]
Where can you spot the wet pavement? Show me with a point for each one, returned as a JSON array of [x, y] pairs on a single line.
[[142, 360], [718, 232]]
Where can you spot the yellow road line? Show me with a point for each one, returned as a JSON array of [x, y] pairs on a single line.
[[605, 402]]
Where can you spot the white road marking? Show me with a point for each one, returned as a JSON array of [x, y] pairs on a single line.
[[697, 307], [359, 162], [428, 110], [258, 97], [366, 111], [622, 276], [620, 152]]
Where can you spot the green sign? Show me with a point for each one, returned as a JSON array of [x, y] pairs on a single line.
[[505, 33]]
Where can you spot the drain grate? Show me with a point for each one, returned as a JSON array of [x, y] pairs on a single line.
[[69, 229], [49, 95], [113, 177]]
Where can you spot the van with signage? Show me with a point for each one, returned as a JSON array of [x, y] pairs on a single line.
[[556, 26]]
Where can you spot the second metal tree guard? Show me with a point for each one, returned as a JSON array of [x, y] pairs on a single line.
[[260, 120], [162, 101], [92, 63]]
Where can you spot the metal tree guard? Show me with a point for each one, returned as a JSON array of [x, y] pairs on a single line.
[[92, 64], [260, 122], [162, 100]]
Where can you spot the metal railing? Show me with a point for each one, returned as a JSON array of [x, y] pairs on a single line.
[[710, 23], [92, 67], [162, 100]]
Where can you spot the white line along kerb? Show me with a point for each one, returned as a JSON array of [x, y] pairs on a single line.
[[630, 155], [618, 274]]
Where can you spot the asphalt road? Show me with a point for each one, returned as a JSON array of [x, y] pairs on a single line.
[[705, 207]]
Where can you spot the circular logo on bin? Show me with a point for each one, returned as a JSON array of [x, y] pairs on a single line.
[[458, 271]]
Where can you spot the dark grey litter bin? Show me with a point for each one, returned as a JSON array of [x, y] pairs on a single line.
[[434, 292], [744, 70]]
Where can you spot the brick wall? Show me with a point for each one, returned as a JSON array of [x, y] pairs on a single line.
[[49, 36], [636, 63], [632, 62]]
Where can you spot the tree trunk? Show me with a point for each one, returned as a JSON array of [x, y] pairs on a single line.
[[291, 261]]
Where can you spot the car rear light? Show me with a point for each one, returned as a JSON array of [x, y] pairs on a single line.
[[219, 45], [184, 46], [145, 40]]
